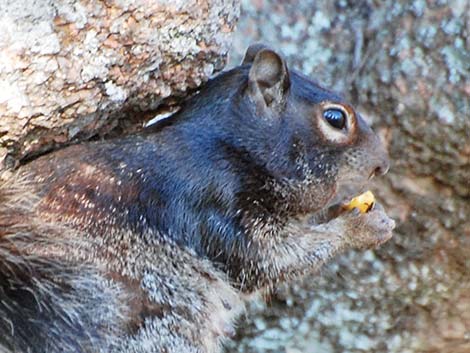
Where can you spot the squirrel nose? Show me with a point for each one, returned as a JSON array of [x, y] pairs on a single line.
[[381, 168]]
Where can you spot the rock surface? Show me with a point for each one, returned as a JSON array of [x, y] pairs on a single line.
[[406, 65], [68, 67]]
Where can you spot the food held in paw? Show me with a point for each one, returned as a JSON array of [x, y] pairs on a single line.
[[363, 202]]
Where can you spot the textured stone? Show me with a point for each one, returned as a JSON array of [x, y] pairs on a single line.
[[68, 69]]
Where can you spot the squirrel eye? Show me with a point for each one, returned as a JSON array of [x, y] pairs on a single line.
[[335, 117]]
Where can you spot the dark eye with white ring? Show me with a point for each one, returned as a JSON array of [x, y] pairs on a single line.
[[335, 117]]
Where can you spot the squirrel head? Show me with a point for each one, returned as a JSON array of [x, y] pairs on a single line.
[[321, 150]]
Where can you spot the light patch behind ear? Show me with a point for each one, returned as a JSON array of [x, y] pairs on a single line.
[[268, 80]]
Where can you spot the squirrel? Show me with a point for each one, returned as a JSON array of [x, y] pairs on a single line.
[[153, 242]]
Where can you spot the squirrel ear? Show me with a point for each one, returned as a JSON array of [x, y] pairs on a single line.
[[268, 79], [251, 52]]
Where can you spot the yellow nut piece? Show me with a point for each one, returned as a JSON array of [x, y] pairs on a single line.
[[363, 202]]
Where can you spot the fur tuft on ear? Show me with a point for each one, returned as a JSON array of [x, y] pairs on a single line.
[[268, 80]]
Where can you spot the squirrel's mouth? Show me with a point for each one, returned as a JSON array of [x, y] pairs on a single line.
[[345, 199]]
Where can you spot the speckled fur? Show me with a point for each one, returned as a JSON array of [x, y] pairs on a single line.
[[152, 242], [106, 279]]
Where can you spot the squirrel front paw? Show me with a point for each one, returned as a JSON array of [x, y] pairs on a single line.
[[367, 230]]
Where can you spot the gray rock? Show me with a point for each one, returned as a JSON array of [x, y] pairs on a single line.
[[69, 68]]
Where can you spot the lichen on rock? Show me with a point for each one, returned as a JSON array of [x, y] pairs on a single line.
[[69, 69]]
